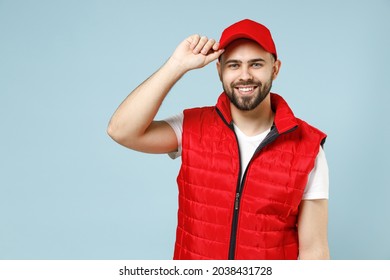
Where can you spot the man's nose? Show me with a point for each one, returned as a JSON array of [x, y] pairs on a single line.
[[246, 74]]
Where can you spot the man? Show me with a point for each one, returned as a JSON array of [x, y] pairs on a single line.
[[253, 182]]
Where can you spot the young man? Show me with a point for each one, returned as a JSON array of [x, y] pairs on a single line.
[[254, 180]]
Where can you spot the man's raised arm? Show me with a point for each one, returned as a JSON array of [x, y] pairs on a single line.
[[133, 124]]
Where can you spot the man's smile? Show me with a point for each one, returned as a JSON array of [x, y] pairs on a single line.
[[245, 90]]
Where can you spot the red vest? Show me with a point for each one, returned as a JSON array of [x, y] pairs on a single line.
[[220, 217]]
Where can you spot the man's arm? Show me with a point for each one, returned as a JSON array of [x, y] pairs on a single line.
[[133, 124], [312, 230]]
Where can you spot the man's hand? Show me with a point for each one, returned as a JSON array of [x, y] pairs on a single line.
[[196, 52]]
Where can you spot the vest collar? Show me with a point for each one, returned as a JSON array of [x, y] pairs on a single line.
[[284, 117]]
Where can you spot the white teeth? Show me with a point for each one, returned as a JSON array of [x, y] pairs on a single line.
[[245, 89]]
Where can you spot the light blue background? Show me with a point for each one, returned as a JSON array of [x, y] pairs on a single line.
[[67, 191]]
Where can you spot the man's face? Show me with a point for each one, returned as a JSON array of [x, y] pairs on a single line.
[[247, 71]]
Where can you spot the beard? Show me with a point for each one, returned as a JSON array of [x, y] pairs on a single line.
[[247, 103]]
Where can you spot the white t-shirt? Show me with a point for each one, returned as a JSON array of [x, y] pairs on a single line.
[[318, 183]]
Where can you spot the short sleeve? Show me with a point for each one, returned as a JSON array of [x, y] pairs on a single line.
[[318, 183], [176, 122]]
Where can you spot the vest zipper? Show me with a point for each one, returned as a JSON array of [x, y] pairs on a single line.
[[237, 201], [233, 233], [271, 137]]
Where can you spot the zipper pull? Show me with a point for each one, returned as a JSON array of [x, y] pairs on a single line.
[[236, 201]]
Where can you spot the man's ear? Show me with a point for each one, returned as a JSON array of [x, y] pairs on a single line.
[[219, 70], [276, 68]]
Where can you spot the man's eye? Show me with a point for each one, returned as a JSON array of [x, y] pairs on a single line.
[[233, 66], [257, 65]]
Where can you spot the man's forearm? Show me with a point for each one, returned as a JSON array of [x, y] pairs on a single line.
[[138, 110], [319, 253]]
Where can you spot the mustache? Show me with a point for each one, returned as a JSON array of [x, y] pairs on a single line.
[[247, 83]]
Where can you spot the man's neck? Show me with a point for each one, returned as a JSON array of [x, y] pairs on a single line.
[[255, 121]]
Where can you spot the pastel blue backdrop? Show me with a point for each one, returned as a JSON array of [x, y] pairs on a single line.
[[67, 191]]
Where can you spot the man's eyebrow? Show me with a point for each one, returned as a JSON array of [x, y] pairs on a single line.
[[256, 60], [249, 61], [233, 61]]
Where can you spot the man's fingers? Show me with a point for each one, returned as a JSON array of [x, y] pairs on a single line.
[[214, 55], [200, 45], [194, 40], [203, 49], [208, 46], [216, 46]]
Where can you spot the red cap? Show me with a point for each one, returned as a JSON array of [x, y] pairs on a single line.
[[248, 29]]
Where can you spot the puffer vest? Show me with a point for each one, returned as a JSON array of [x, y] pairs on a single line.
[[222, 217]]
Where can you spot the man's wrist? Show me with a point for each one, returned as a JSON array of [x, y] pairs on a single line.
[[176, 66]]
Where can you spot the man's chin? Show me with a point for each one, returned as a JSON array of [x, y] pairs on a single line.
[[245, 104]]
